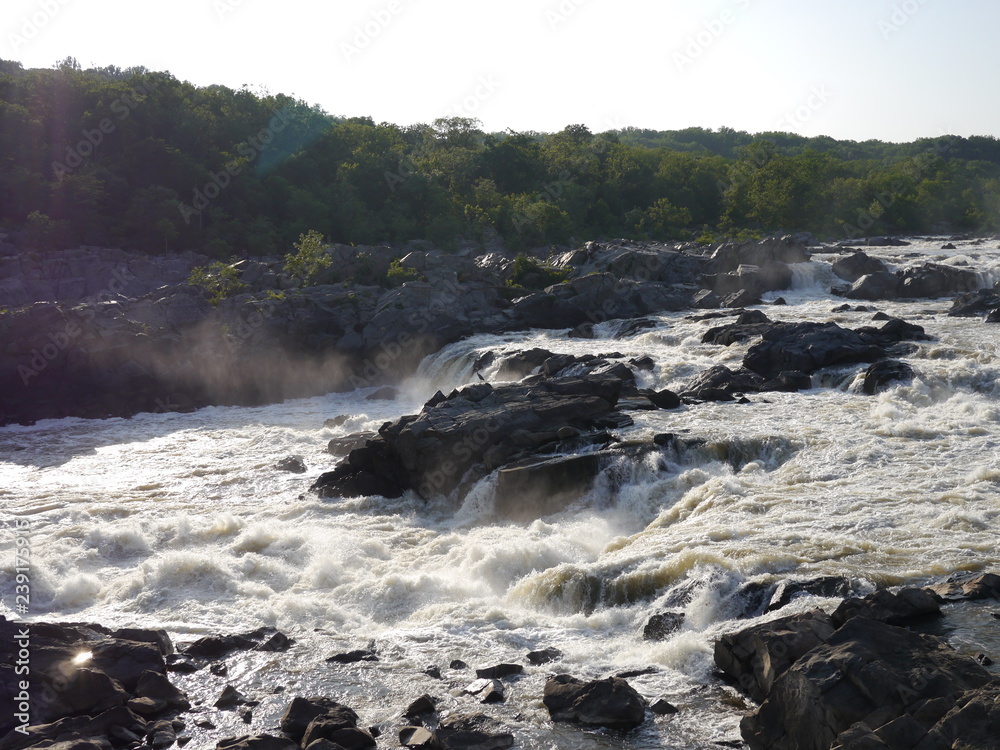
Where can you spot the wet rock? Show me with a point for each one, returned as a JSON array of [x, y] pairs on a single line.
[[662, 707], [489, 691], [827, 586], [936, 280], [231, 698], [353, 657], [91, 691], [610, 703], [147, 706], [664, 399], [301, 712], [646, 364], [544, 656], [881, 285], [537, 487], [744, 298], [293, 464], [219, 669], [155, 685], [867, 671], [499, 671], [348, 738], [881, 375], [218, 646], [77, 726], [458, 664], [422, 706], [417, 737], [161, 734], [985, 660], [757, 656], [779, 301], [433, 671], [895, 609], [719, 383], [706, 299], [807, 347], [632, 327], [993, 317], [859, 264], [473, 732], [662, 625], [432, 452], [256, 742], [975, 304], [336, 421], [182, 664], [386, 393], [582, 331], [967, 586], [341, 446]]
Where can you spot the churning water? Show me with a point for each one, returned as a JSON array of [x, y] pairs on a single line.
[[181, 521]]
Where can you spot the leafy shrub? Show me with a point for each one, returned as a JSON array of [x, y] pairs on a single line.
[[219, 280], [528, 273], [397, 275], [310, 259]]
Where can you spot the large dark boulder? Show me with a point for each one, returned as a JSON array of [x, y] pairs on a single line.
[[975, 304], [867, 671], [256, 742], [895, 609], [757, 656], [472, 732], [301, 712], [611, 702], [478, 427], [881, 375], [937, 280], [787, 249], [875, 286], [537, 487], [807, 347], [859, 264]]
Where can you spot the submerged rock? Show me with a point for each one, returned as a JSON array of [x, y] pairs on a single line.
[[881, 375]]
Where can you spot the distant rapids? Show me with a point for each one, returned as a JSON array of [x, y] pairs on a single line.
[[181, 521]]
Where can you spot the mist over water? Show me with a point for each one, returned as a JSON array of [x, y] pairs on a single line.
[[181, 521]]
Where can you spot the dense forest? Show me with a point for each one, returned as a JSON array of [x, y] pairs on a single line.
[[139, 159]]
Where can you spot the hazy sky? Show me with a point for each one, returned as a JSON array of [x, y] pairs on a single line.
[[889, 69]]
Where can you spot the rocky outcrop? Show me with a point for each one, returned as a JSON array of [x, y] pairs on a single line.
[[975, 304], [111, 684], [857, 679], [478, 428], [807, 347], [881, 676], [610, 703], [859, 264], [937, 280], [874, 286]]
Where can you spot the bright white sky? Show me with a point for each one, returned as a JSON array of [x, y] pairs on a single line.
[[858, 69]]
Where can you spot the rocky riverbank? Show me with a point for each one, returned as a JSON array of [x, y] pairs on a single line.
[[96, 333], [866, 674]]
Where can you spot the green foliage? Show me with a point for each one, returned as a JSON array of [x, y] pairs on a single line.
[[218, 280], [397, 275], [310, 258], [528, 273], [185, 167]]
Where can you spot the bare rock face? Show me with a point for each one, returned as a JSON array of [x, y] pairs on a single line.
[[807, 347], [880, 675], [859, 264], [611, 702], [479, 425]]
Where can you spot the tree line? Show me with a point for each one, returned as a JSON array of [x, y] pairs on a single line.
[[139, 159]]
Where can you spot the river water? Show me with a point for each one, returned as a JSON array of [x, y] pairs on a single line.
[[181, 521]]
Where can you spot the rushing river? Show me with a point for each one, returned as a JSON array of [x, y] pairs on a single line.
[[181, 521]]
